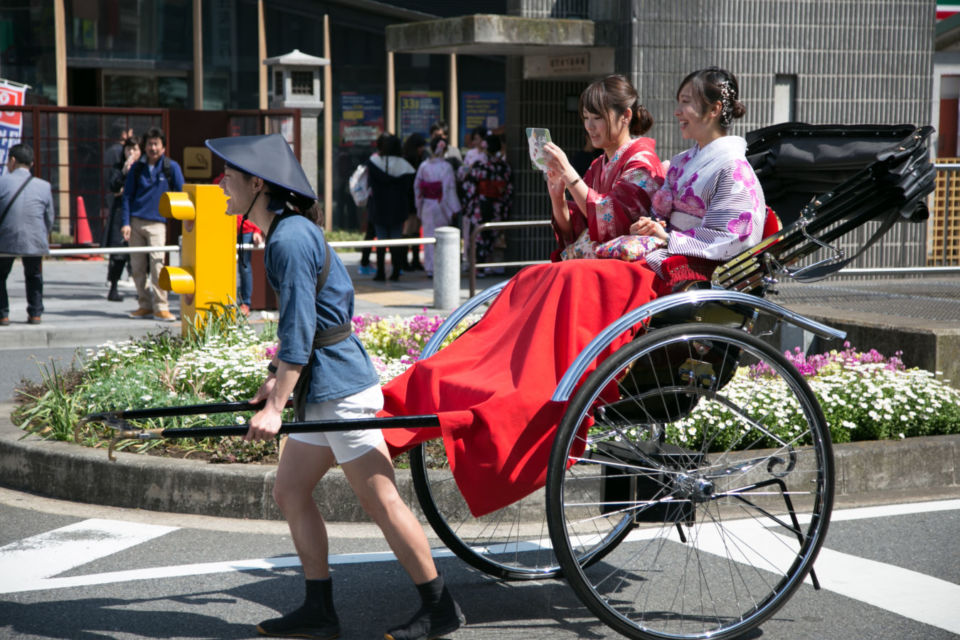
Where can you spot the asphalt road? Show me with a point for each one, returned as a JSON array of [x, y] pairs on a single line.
[[155, 575]]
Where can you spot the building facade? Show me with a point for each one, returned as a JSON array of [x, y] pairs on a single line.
[[817, 61], [820, 61]]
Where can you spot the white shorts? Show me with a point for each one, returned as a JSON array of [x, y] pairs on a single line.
[[346, 445]]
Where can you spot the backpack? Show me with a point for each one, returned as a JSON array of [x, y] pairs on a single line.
[[359, 186], [138, 171]]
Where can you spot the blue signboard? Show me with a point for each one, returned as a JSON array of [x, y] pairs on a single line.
[[481, 109], [361, 118], [419, 110]]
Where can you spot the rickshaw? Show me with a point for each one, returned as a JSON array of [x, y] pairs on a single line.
[[691, 478]]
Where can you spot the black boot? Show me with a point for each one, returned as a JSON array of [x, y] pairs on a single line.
[[315, 618], [439, 615], [381, 265], [397, 262], [113, 295]]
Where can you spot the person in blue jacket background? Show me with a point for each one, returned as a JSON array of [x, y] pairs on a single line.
[[325, 366], [143, 226]]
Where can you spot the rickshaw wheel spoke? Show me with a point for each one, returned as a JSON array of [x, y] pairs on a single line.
[[715, 445]]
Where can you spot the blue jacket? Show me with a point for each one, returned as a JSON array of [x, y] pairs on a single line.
[[145, 185], [293, 258]]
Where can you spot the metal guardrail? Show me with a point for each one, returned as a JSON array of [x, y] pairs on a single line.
[[446, 281], [472, 248], [338, 244]]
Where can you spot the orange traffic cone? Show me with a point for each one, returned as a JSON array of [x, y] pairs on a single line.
[[84, 237]]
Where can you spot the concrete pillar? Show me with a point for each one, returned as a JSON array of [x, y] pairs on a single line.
[[446, 268], [309, 138]]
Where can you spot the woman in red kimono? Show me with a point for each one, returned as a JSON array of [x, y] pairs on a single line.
[[491, 387], [619, 186]]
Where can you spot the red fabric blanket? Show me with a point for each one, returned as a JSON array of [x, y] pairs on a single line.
[[491, 387]]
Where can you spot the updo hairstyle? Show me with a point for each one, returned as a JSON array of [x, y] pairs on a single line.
[[712, 85], [615, 94], [438, 146]]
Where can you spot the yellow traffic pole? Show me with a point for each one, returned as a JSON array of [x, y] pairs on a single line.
[[206, 279]]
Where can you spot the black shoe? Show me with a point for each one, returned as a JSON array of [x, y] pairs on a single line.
[[316, 618], [302, 623], [380, 277], [395, 275], [114, 295], [429, 623]]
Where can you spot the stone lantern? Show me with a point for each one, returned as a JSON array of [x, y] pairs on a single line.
[[295, 84]]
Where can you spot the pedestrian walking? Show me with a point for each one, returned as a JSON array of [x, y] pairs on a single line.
[[435, 189], [26, 217], [391, 184], [488, 197]]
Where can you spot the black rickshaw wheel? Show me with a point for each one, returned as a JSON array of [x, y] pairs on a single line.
[[717, 449]]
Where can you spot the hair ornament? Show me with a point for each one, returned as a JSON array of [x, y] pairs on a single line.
[[728, 98]]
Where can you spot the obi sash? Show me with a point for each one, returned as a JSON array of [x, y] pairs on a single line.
[[431, 190], [492, 189]]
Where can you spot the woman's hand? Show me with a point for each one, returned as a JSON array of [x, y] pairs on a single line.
[[557, 162], [555, 184], [645, 226]]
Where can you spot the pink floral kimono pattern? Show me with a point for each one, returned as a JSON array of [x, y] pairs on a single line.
[[619, 191], [712, 202]]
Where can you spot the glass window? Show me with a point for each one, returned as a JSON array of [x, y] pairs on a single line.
[[144, 90], [27, 48], [159, 30]]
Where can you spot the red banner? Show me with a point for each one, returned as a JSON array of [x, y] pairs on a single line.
[[11, 94]]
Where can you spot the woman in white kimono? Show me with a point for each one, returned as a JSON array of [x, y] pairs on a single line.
[[435, 193], [711, 199]]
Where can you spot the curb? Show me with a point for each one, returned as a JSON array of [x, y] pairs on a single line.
[[69, 472], [66, 471]]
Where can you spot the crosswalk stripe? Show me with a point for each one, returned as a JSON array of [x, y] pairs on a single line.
[[204, 568], [907, 593], [37, 558]]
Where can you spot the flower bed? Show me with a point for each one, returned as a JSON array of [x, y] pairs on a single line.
[[864, 395]]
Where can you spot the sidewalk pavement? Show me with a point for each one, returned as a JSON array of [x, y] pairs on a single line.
[[77, 314]]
